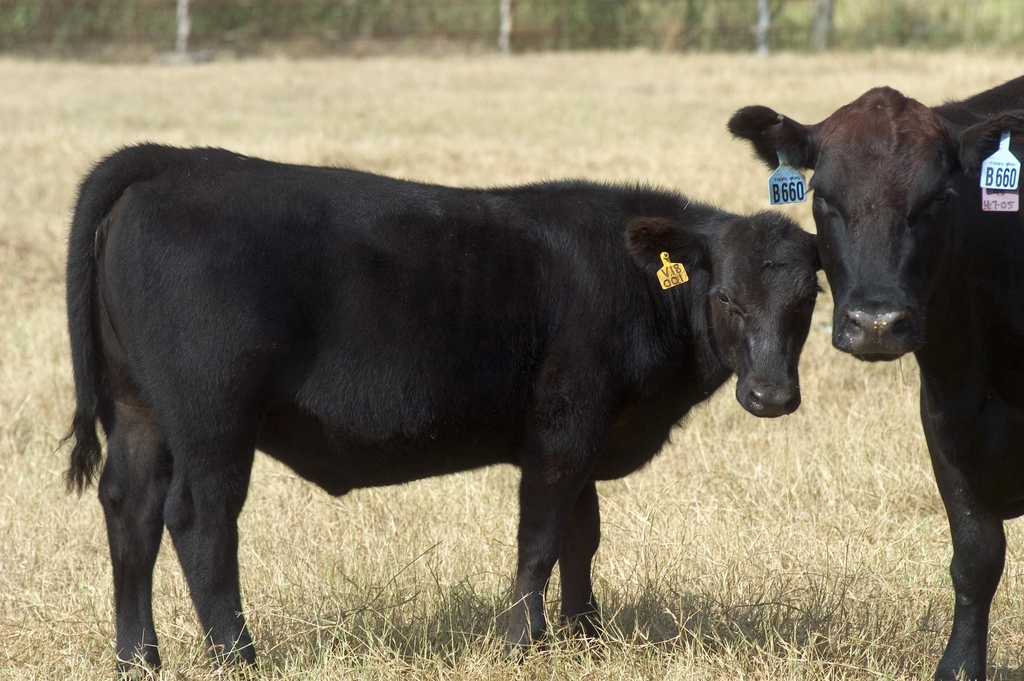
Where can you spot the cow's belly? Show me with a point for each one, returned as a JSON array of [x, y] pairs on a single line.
[[998, 472], [339, 462]]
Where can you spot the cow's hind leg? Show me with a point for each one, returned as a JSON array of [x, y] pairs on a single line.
[[206, 495], [132, 490], [582, 537]]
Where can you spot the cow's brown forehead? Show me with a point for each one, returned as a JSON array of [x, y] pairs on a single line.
[[884, 147], [884, 121]]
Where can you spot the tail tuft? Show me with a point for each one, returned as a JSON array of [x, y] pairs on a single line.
[[86, 454]]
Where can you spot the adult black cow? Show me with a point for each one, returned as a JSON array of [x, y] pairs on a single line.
[[369, 331], [915, 265]]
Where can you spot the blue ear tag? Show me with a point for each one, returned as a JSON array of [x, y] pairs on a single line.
[[1000, 176], [786, 184]]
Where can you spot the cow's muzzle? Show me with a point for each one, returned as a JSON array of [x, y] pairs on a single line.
[[768, 400], [878, 335]]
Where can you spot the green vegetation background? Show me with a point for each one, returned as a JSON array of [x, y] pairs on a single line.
[[247, 26]]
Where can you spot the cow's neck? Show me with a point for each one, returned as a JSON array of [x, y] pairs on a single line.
[[702, 368], [976, 295], [708, 357]]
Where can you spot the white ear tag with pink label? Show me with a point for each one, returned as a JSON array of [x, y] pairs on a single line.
[[1000, 176], [999, 201], [786, 184]]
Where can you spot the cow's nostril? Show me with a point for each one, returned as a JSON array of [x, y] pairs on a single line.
[[886, 322], [859, 319], [876, 323]]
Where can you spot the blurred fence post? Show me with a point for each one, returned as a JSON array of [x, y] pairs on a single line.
[[505, 29], [822, 26], [763, 22], [181, 44]]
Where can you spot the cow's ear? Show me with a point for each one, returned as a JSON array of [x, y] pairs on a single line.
[[770, 132], [980, 141], [648, 237]]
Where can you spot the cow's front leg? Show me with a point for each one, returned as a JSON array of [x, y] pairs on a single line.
[[546, 500], [582, 537], [979, 552]]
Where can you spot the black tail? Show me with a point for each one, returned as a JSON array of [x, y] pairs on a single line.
[[97, 195]]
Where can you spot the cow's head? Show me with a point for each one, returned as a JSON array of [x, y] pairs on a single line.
[[889, 182], [763, 284]]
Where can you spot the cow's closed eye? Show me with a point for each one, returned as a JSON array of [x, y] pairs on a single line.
[[811, 300], [937, 200], [943, 195], [725, 301]]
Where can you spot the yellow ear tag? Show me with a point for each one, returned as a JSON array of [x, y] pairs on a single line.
[[672, 273]]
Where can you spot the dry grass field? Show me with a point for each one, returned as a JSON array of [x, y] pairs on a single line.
[[808, 547]]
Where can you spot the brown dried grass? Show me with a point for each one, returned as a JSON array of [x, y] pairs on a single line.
[[809, 547]]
